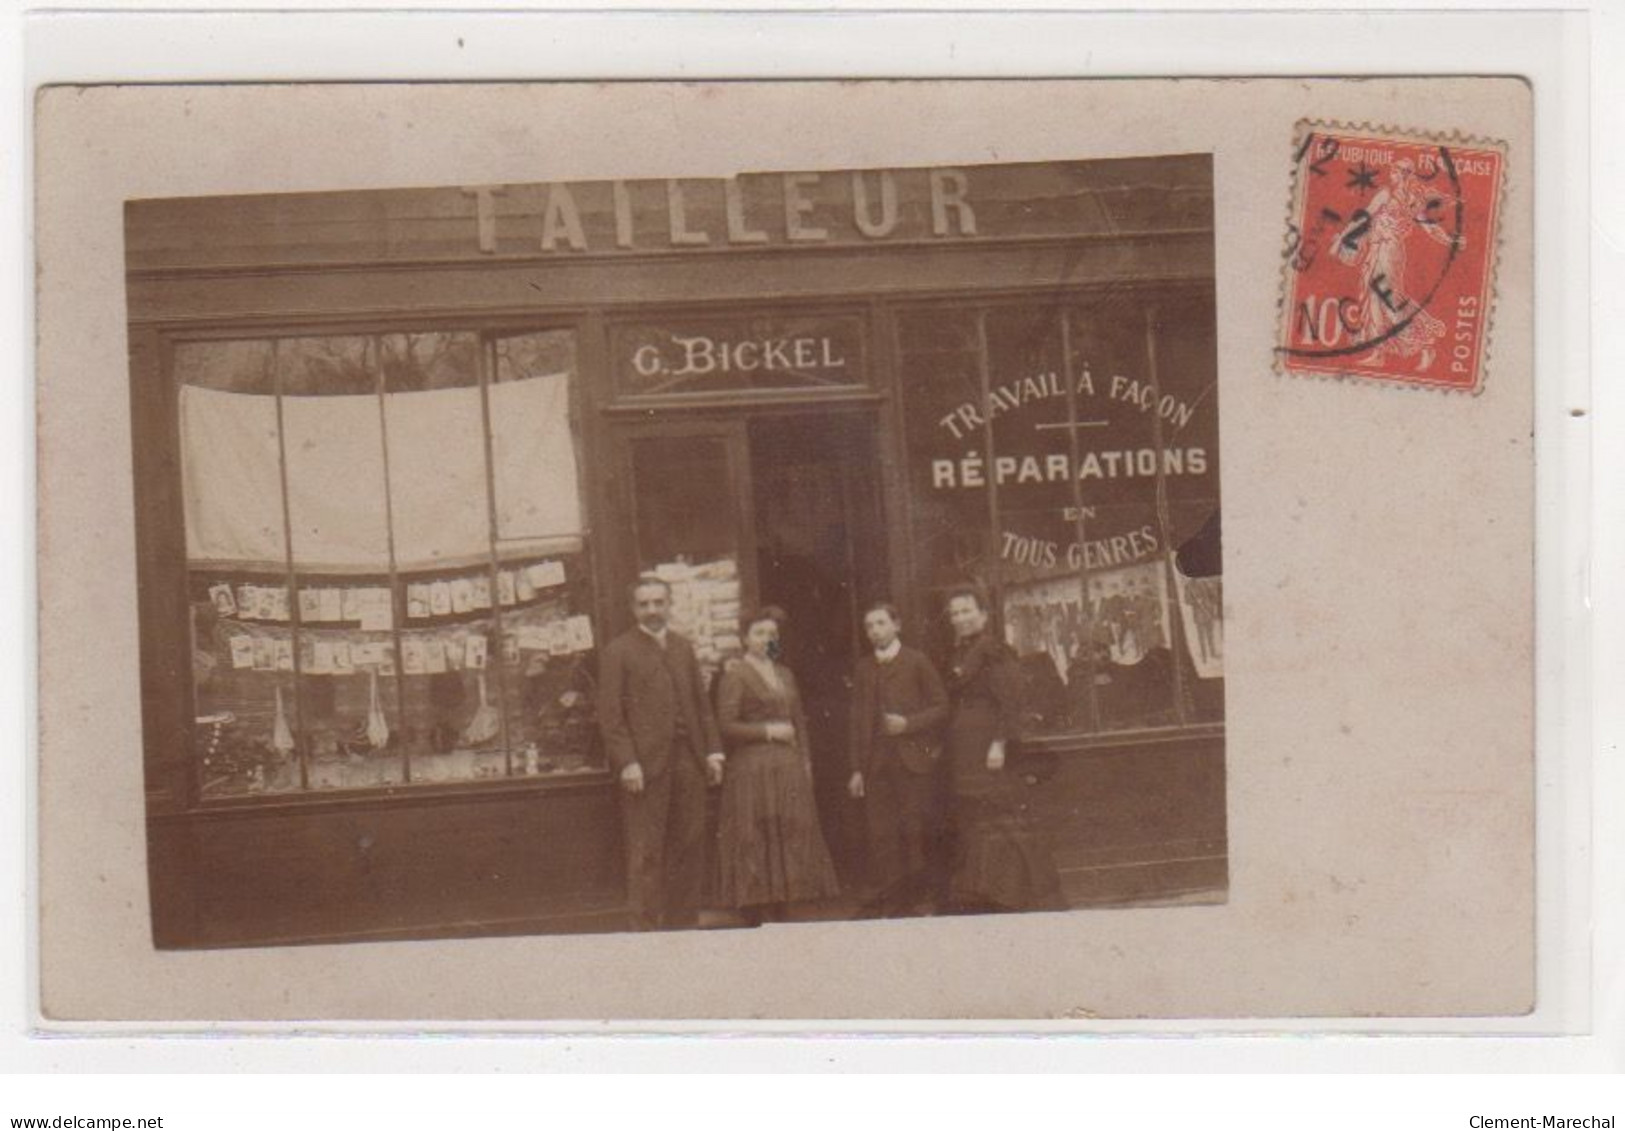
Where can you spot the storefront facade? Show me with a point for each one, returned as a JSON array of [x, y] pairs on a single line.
[[400, 454]]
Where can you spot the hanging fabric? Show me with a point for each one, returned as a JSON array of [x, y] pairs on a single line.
[[232, 476], [534, 463], [336, 500], [1201, 611], [377, 725], [485, 724], [281, 733], [230, 480]]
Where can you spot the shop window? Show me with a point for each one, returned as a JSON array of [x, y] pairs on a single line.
[[388, 567], [1061, 454]]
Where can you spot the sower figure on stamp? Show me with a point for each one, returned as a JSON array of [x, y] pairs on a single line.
[[1389, 317], [661, 738], [898, 708]]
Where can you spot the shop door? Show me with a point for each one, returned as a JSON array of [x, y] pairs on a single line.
[[789, 506], [821, 555]]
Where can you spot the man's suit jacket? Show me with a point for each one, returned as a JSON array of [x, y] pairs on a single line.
[[917, 695], [643, 690]]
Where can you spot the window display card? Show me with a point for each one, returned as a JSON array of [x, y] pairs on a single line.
[[264, 602], [456, 646], [674, 573], [578, 631], [506, 593], [343, 658], [523, 589], [440, 598], [377, 610], [545, 575], [482, 591], [417, 600], [462, 595], [264, 654], [558, 639], [225, 604], [434, 655], [310, 606], [242, 651], [474, 652], [282, 647], [350, 604], [280, 604], [412, 656]]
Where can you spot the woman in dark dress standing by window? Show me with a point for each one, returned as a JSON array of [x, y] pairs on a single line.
[[1001, 858]]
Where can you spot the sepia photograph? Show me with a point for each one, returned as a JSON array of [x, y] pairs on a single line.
[[678, 553]]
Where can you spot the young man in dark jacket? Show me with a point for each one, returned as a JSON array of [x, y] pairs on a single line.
[[898, 710]]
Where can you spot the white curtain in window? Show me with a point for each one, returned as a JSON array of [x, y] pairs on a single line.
[[336, 477], [538, 497], [437, 478], [336, 483], [230, 478]]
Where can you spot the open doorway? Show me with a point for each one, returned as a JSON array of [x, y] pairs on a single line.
[[821, 554]]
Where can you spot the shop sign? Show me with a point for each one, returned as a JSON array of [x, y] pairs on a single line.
[[745, 211], [795, 212], [1075, 454], [701, 355]]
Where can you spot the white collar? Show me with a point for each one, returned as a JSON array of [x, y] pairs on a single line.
[[889, 653], [657, 637]]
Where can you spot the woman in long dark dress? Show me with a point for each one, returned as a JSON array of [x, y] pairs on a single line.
[[1001, 858], [771, 852]]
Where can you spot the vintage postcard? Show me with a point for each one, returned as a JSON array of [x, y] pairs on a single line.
[[703, 551]]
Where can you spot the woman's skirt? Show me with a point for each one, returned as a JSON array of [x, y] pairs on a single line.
[[770, 848], [1003, 859]]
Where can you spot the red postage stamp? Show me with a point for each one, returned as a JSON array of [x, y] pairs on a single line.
[[1390, 257]]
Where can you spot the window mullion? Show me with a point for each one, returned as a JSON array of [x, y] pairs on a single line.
[[1087, 644], [994, 582], [301, 743], [1164, 524], [396, 607], [483, 359]]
